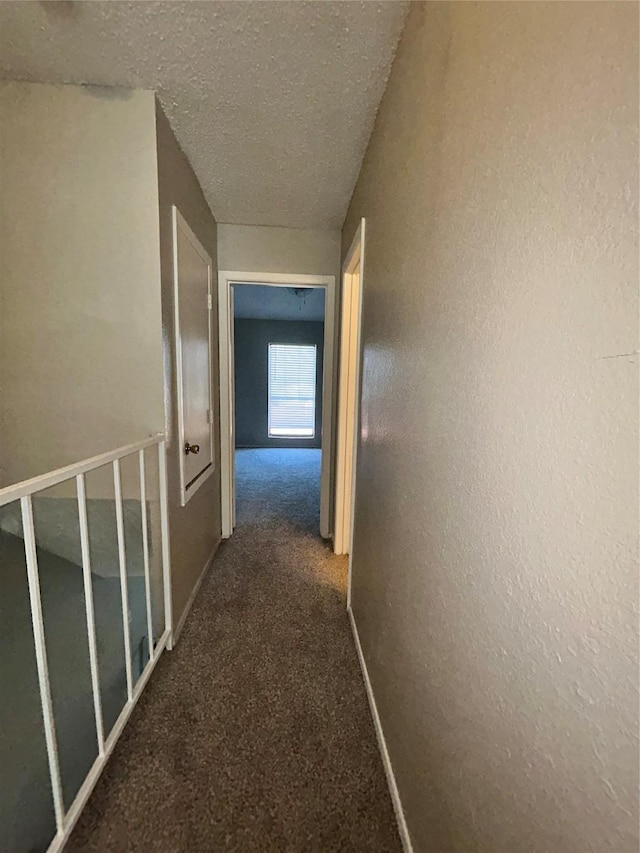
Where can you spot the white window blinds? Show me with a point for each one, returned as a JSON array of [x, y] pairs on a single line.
[[292, 390]]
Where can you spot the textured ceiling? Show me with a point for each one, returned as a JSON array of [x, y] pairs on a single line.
[[272, 102], [261, 302]]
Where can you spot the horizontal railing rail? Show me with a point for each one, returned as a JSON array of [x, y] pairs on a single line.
[[54, 478], [24, 492]]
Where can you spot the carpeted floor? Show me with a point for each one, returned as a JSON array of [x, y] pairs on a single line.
[[254, 734]]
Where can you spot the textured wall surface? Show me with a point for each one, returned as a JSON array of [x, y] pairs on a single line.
[[272, 102], [291, 250], [195, 528], [252, 339], [79, 274], [496, 555]]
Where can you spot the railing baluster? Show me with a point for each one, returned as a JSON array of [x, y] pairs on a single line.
[[41, 659], [166, 555], [117, 485], [88, 600], [145, 554], [65, 818]]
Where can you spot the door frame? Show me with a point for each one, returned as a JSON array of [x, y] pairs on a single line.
[[180, 223], [227, 278], [350, 369]]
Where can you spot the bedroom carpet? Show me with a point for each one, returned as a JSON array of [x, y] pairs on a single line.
[[254, 734]]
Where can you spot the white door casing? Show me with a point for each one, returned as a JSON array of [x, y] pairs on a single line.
[[232, 400], [226, 280], [227, 414], [349, 394], [192, 274]]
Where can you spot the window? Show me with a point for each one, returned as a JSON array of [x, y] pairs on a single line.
[[292, 390]]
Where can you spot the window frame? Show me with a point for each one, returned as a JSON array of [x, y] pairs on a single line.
[[291, 436]]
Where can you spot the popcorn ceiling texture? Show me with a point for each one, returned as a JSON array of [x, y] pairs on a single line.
[[271, 102]]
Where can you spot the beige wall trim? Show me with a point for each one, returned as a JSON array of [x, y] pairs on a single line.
[[403, 829], [192, 597]]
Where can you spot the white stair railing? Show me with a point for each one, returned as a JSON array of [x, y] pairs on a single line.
[[65, 818]]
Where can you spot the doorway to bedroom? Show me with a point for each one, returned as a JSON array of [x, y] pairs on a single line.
[[279, 400]]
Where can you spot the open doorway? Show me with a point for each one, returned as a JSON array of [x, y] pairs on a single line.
[[278, 371], [276, 367]]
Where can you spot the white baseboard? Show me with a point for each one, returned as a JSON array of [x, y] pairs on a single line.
[[192, 597], [382, 744]]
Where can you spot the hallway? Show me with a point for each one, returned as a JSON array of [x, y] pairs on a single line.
[[254, 733], [406, 232]]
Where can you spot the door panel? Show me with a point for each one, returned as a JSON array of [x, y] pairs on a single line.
[[192, 279]]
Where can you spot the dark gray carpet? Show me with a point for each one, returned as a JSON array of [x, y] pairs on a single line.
[[254, 734]]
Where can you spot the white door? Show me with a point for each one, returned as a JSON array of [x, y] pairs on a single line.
[[192, 282]]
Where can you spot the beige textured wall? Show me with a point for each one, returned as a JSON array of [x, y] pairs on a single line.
[[195, 528], [496, 553], [79, 274], [260, 248]]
